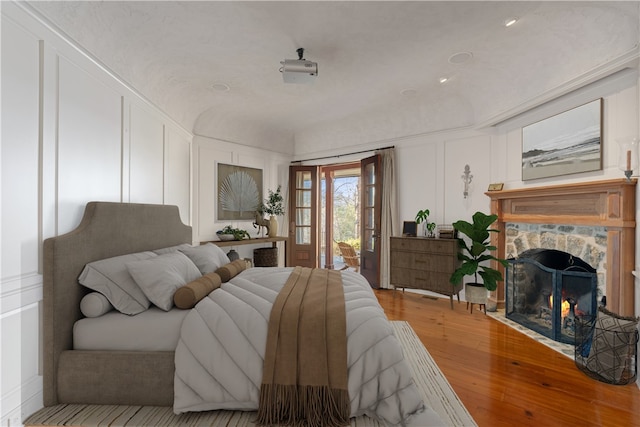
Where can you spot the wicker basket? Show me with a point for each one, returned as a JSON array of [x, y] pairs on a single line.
[[615, 359], [265, 257]]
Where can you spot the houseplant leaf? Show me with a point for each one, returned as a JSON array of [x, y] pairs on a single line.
[[476, 253]]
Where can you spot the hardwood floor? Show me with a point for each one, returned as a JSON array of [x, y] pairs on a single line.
[[505, 378]]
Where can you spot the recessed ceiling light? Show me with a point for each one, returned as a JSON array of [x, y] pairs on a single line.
[[460, 57], [220, 87], [443, 80], [510, 21], [409, 92]]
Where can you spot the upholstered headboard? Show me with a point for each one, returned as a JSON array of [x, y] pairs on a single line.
[[106, 230]]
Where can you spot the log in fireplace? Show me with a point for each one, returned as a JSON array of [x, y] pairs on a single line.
[[546, 289]]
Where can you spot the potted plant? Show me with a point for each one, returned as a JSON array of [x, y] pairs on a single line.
[[423, 216], [230, 233], [474, 257], [273, 206]]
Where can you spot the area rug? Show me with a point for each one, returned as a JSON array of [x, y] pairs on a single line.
[[435, 389], [562, 348]]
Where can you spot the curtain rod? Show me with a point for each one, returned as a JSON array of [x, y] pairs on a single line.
[[342, 155]]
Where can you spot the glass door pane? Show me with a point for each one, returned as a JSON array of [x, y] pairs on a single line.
[[369, 207]]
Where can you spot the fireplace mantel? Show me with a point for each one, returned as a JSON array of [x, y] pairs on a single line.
[[610, 203]]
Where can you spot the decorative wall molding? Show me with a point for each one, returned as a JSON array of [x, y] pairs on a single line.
[[19, 292], [626, 62]]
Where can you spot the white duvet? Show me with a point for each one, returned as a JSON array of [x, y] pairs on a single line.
[[220, 352]]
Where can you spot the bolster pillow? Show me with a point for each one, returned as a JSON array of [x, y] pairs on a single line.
[[232, 269], [188, 295], [94, 304]]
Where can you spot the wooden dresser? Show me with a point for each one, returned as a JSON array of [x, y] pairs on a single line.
[[425, 263]]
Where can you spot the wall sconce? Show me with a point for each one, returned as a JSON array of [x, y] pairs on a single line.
[[628, 156], [466, 178]]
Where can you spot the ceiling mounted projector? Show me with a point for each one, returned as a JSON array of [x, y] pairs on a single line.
[[299, 70]]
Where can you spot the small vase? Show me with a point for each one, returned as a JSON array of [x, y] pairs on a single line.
[[233, 255], [273, 226]]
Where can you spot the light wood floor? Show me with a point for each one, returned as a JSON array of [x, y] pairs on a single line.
[[505, 378]]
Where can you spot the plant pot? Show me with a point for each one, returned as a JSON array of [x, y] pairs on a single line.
[[475, 293], [273, 226]]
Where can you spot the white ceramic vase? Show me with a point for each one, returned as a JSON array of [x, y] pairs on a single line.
[[273, 226]]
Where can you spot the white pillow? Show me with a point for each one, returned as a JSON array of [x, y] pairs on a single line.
[[94, 304], [111, 278], [171, 249], [160, 277], [208, 257]]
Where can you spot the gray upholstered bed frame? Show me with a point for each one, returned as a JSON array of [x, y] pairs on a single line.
[[103, 377]]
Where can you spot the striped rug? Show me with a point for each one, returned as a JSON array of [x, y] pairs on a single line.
[[435, 389]]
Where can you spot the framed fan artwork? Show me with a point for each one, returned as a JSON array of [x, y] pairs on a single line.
[[238, 192]]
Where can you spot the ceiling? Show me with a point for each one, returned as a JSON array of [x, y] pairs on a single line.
[[379, 63]]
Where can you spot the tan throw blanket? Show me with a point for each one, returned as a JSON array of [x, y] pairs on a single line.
[[304, 380]]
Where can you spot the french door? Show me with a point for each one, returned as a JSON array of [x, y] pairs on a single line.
[[303, 216], [371, 194], [304, 207]]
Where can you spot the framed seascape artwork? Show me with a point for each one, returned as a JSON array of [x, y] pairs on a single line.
[[567, 143], [238, 192]]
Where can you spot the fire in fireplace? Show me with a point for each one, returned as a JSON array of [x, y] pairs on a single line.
[[546, 289]]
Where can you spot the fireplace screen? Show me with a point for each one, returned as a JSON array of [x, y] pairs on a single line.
[[546, 289]]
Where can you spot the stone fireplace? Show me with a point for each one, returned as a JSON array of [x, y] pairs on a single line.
[[600, 215], [589, 243], [547, 289]]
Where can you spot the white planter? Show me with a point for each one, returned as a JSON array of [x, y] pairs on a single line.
[[475, 294]]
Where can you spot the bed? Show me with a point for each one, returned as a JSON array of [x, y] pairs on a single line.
[[90, 371]]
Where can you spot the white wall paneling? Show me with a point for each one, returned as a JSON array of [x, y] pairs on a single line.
[[48, 134], [20, 151], [21, 382], [89, 143], [125, 176], [621, 123], [146, 156], [417, 174], [475, 152], [513, 171], [177, 189], [71, 133], [499, 156], [20, 281]]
